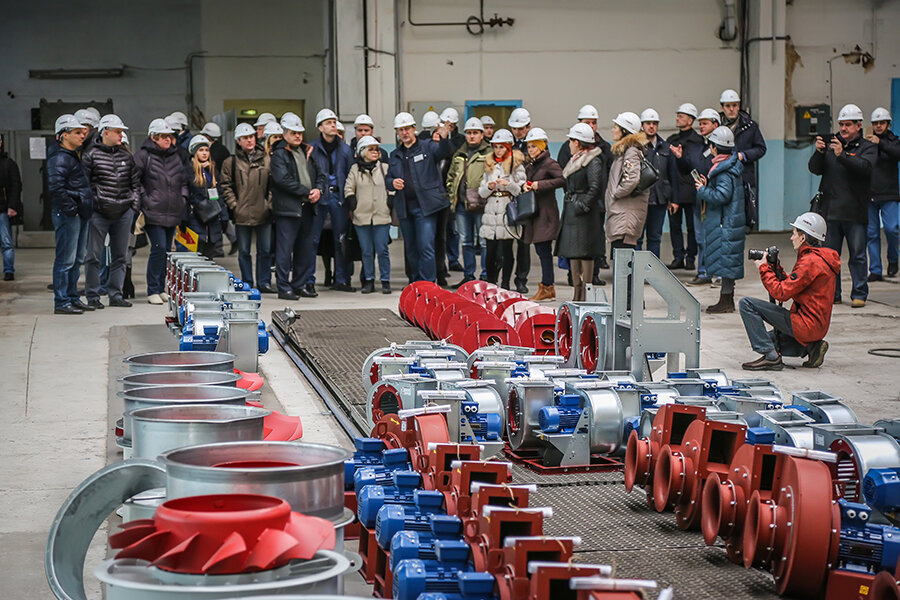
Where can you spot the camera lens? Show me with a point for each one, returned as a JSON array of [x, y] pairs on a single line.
[[754, 254]]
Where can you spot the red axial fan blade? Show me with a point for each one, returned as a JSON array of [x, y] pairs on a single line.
[[281, 428]]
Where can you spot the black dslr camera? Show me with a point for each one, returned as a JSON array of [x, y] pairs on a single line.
[[772, 259]]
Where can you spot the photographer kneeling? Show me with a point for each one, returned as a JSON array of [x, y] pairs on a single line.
[[810, 285]]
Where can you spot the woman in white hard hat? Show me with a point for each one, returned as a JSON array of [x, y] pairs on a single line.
[[626, 211], [504, 176], [207, 210], [582, 216], [273, 133]]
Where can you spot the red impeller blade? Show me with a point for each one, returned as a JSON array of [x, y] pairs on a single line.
[[282, 428]]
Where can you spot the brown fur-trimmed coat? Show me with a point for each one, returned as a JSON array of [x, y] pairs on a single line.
[[626, 213]]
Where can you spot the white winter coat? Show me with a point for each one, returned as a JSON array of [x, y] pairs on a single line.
[[493, 222]]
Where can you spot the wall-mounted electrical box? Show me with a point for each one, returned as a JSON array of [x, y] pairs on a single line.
[[812, 120]]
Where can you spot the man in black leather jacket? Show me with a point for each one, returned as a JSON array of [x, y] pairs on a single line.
[[885, 202]]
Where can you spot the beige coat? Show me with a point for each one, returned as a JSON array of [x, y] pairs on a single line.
[[371, 195], [625, 213], [493, 222], [245, 187]]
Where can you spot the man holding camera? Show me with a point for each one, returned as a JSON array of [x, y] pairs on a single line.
[[800, 331]]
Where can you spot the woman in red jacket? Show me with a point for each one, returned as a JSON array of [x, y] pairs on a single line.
[[800, 331]]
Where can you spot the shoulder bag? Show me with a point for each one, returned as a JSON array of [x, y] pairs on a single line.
[[649, 176]]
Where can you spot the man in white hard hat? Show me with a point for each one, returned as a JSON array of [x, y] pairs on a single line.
[[117, 196], [245, 184], [800, 331], [430, 122], [749, 144], [70, 198], [885, 195], [487, 121], [261, 121], [446, 243], [687, 145], [519, 124], [845, 161], [91, 121], [663, 193], [364, 125], [451, 115], [336, 157], [414, 173]]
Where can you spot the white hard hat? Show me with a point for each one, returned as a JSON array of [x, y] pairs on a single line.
[[364, 119], [710, 114], [272, 128], [536, 133], [430, 120], [264, 118], [66, 123], [729, 96], [520, 117], [722, 136], [474, 123], [110, 122], [850, 112], [811, 224], [404, 119], [124, 138], [649, 115], [881, 114], [502, 136], [340, 126], [324, 115], [450, 114], [687, 109], [93, 111], [366, 141], [581, 132], [197, 141], [158, 126], [487, 120], [628, 121], [173, 123], [244, 129], [180, 118], [588, 112], [291, 121], [211, 130], [86, 117]]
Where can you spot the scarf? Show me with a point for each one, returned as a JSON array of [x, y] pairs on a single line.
[[364, 165], [716, 160], [580, 159]]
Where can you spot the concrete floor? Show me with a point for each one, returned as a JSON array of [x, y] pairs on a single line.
[[56, 374]]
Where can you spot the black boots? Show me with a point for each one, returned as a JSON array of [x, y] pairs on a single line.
[[724, 305]]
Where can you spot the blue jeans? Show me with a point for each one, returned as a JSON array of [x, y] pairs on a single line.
[[373, 241], [701, 239], [160, 243], [453, 240], [855, 234], [418, 243], [467, 225], [291, 259], [311, 232], [6, 244], [71, 239], [263, 252], [889, 217], [755, 313], [545, 254], [656, 216]]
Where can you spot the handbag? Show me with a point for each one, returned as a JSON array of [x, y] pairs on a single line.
[[815, 205], [206, 209], [526, 207], [474, 202], [751, 207], [649, 176]]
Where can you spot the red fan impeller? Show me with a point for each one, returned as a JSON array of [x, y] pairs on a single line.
[[224, 534]]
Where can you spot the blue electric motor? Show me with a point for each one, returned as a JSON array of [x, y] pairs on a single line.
[[563, 417], [191, 341], [408, 545], [486, 426], [413, 577], [262, 337], [392, 518], [865, 546], [881, 488], [373, 497], [382, 474], [369, 452]]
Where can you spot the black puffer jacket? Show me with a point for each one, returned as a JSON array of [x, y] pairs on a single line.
[[114, 179], [666, 189], [164, 188], [10, 184], [884, 176], [288, 194], [845, 180], [67, 183]]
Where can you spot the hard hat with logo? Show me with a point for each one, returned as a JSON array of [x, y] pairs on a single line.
[[710, 114], [502, 136], [404, 119], [519, 117], [729, 96], [649, 116], [244, 129], [588, 112], [881, 114], [628, 121], [211, 130], [487, 120], [850, 112], [474, 123], [366, 141], [536, 133], [722, 136], [86, 117], [158, 126], [324, 115], [273, 129], [430, 120], [66, 123], [811, 224], [110, 122], [292, 122], [264, 118], [196, 142], [363, 119], [687, 109], [581, 132], [450, 115]]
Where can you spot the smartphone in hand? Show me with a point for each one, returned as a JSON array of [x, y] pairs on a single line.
[[696, 176]]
